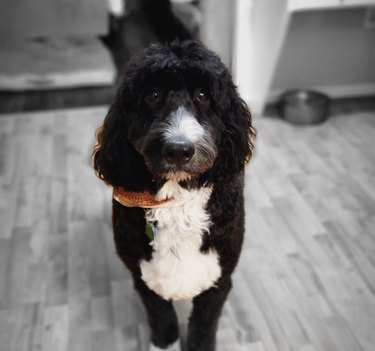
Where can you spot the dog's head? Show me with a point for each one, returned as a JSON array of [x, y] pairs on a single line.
[[176, 115]]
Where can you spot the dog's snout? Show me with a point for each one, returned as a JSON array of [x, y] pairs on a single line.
[[178, 152]]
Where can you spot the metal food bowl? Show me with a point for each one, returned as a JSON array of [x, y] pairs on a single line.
[[305, 106]]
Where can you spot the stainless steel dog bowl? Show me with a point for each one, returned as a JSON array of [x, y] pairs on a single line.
[[305, 106]]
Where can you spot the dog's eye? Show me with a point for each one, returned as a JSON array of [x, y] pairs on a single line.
[[153, 96], [200, 95]]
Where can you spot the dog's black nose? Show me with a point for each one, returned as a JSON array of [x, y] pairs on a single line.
[[178, 152]]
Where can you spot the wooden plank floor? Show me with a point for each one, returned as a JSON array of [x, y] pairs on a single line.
[[306, 278]]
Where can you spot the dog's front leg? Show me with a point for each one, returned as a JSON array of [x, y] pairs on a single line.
[[205, 316], [161, 315]]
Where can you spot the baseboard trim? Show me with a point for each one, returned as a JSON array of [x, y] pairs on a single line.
[[335, 92]]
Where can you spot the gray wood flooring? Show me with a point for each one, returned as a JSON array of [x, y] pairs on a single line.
[[306, 278]]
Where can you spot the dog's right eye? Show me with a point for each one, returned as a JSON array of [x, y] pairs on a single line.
[[153, 96], [200, 96]]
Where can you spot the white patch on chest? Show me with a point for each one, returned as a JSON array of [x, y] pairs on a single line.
[[178, 269]]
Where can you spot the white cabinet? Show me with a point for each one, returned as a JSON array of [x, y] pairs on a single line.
[[260, 30]]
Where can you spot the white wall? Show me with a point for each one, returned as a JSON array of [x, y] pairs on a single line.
[[217, 27]]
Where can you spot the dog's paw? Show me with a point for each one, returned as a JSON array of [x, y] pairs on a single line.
[[174, 347]]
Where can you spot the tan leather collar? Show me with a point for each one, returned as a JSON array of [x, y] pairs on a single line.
[[142, 199]]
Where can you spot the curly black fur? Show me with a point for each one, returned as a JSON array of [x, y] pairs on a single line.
[[121, 159]]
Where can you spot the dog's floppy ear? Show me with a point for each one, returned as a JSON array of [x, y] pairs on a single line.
[[237, 134], [115, 160]]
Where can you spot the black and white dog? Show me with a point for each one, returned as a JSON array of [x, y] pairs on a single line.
[[179, 132]]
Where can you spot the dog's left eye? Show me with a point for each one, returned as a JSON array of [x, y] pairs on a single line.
[[200, 95], [153, 96]]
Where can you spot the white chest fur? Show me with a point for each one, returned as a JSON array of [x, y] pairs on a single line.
[[178, 269]]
